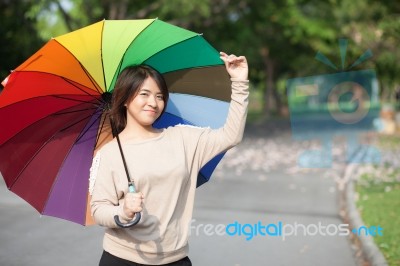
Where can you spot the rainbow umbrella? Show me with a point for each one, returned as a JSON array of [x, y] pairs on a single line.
[[52, 108]]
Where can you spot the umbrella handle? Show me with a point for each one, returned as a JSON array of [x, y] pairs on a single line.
[[136, 218]]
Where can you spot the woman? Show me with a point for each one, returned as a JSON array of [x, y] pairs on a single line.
[[163, 164]]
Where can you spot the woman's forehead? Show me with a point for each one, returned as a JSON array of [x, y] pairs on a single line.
[[150, 85]]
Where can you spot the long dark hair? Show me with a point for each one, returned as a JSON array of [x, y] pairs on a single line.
[[126, 88]]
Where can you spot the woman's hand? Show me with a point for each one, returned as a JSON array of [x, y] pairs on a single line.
[[235, 65], [133, 203]]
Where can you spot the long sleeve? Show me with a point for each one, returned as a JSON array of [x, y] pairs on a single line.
[[212, 142], [106, 195]]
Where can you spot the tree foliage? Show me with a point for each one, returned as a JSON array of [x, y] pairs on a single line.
[[18, 34], [279, 38]]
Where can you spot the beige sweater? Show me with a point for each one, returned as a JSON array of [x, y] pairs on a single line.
[[165, 170]]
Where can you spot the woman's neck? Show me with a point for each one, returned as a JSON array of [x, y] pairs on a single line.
[[139, 133]]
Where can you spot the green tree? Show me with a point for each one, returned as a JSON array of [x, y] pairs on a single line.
[[279, 38], [374, 25], [19, 38]]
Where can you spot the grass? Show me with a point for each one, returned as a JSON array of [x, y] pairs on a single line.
[[379, 204], [388, 141]]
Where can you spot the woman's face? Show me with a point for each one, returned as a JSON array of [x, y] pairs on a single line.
[[147, 105]]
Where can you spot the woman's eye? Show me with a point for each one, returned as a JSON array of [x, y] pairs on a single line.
[[160, 97]]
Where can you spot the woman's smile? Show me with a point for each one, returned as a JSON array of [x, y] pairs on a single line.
[[151, 112]]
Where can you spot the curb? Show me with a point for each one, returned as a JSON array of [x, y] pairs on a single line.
[[369, 249]]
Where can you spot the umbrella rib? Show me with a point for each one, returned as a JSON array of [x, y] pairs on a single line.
[[76, 100], [101, 57], [83, 68], [165, 48], [44, 144], [48, 115], [30, 160], [94, 96], [182, 41], [75, 111], [91, 79], [39, 149], [101, 129], [117, 71], [72, 83], [87, 129], [73, 124], [58, 172]]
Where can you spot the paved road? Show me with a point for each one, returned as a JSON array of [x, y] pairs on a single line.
[[280, 198], [242, 191]]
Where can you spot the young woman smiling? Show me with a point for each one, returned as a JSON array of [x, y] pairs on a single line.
[[164, 165]]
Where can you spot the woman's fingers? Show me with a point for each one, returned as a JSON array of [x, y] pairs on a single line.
[[223, 54], [133, 203], [227, 58], [235, 65], [136, 196], [232, 59]]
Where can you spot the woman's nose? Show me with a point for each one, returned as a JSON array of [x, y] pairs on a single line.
[[151, 101]]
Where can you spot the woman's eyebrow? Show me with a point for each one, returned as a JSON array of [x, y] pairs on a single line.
[[147, 90]]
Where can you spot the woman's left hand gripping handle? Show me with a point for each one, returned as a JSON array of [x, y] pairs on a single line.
[[132, 208]]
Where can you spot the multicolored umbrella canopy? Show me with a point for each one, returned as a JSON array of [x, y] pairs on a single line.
[[52, 108]]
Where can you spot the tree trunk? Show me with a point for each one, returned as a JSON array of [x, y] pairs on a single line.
[[69, 22], [270, 99], [118, 9]]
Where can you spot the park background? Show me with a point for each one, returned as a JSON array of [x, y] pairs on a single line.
[[280, 40]]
